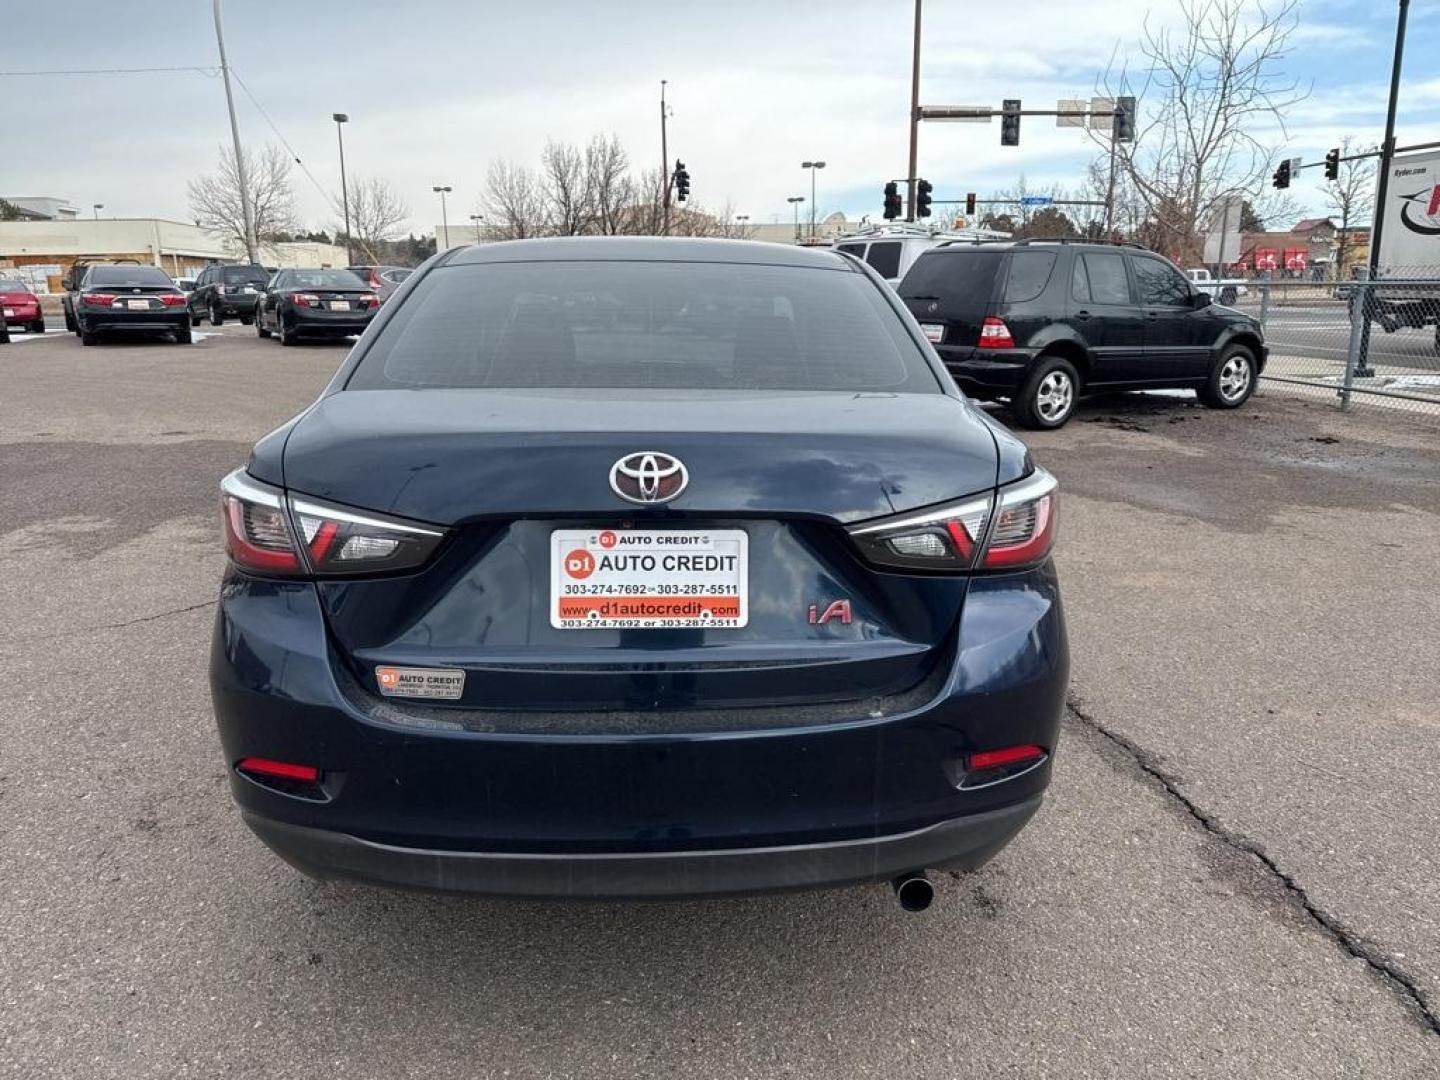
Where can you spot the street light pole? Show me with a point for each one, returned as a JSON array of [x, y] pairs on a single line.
[[914, 120], [246, 211], [664, 166], [442, 190], [812, 166], [475, 220], [341, 118], [795, 201], [97, 208]]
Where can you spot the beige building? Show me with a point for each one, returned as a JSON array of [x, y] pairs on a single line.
[[43, 250]]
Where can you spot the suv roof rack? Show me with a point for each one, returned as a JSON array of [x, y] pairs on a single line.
[[960, 241]]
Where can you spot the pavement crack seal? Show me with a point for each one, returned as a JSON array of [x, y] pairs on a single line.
[[1347, 939]]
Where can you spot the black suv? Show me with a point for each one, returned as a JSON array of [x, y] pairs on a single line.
[[1039, 323], [222, 291]]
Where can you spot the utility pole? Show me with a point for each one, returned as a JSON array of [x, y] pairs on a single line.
[[795, 201], [664, 168], [341, 118], [1110, 195], [914, 120], [251, 251], [442, 190], [1382, 186]]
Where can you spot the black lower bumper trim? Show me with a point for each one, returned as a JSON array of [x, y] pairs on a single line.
[[962, 844]]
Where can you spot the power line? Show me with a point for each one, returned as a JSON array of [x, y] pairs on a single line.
[[114, 71]]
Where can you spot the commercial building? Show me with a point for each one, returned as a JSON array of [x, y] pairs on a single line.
[[40, 251]]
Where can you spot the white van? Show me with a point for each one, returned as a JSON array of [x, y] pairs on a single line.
[[892, 249]]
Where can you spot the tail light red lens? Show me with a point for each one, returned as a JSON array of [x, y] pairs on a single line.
[[1011, 755], [269, 534], [172, 299], [1012, 529], [302, 299], [994, 334], [995, 766], [371, 301], [99, 299]]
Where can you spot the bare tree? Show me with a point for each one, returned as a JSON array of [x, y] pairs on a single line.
[[376, 213], [1204, 90], [1351, 195], [567, 189], [514, 203], [607, 178], [215, 199]]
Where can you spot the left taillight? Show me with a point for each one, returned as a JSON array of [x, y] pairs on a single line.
[[268, 533], [1011, 529]]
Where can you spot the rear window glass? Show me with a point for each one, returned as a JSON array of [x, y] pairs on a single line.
[[7, 285], [128, 275], [1029, 274], [885, 258], [961, 280], [858, 250], [667, 325], [395, 277], [324, 279], [235, 275]]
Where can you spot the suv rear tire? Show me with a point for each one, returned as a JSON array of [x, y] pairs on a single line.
[[1048, 397], [216, 319], [1232, 379]]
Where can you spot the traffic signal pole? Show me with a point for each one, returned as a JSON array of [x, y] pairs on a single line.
[[914, 120]]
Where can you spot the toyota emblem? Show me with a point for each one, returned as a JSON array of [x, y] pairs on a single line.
[[648, 476]]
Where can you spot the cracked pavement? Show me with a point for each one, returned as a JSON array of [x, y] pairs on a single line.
[[1234, 875]]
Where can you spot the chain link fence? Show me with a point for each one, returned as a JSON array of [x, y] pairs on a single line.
[[1375, 341]]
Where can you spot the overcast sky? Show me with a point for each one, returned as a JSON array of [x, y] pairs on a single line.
[[436, 91]]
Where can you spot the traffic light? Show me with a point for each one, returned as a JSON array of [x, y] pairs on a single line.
[[1010, 122], [1124, 130], [893, 203], [1332, 164], [1282, 174], [682, 181], [922, 198], [970, 204]]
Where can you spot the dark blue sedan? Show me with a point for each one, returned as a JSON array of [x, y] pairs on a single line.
[[639, 568]]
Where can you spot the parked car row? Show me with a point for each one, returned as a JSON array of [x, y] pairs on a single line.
[[102, 299]]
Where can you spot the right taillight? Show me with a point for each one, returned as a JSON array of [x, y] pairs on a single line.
[[1013, 528], [268, 533], [994, 334]]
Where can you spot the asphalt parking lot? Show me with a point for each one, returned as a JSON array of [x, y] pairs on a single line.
[[1237, 872]]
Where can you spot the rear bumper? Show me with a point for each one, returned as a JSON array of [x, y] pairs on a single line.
[[337, 323], [872, 791], [961, 844], [137, 321], [20, 314], [236, 305], [986, 373]]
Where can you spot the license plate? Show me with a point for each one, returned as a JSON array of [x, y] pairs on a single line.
[[138, 305], [339, 305], [934, 332], [648, 579]]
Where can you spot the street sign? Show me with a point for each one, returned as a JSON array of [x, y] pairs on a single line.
[[1036, 200], [1102, 114], [1076, 107]]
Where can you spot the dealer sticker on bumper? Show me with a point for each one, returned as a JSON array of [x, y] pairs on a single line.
[[648, 579], [447, 684]]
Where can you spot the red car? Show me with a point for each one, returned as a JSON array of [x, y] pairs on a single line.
[[21, 306]]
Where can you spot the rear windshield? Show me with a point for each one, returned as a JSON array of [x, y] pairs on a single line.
[[885, 258], [962, 281], [128, 275], [235, 275], [664, 325], [7, 285], [325, 279]]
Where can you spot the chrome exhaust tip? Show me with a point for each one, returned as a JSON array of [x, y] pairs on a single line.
[[914, 891]]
